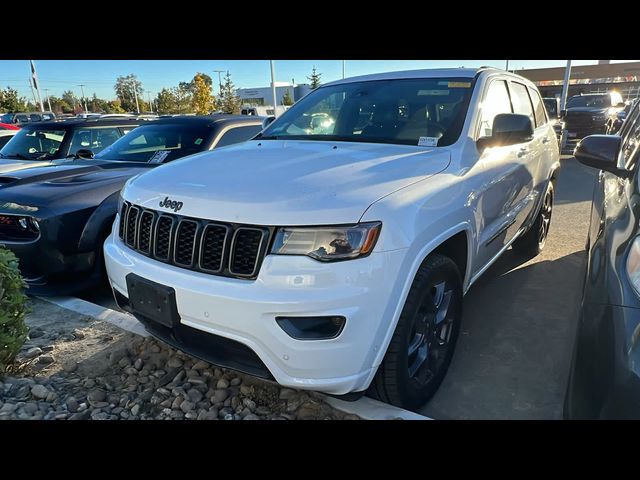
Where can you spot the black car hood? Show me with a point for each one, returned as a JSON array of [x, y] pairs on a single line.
[[72, 185]]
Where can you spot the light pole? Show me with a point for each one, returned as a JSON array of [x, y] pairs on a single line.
[[507, 66], [219, 79], [343, 67], [565, 86], [273, 89], [149, 98], [84, 99], [46, 92]]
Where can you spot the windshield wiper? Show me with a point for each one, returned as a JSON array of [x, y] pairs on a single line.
[[18, 155]]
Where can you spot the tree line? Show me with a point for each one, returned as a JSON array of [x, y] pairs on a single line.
[[195, 96]]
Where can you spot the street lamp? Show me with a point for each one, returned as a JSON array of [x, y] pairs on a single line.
[[219, 79]]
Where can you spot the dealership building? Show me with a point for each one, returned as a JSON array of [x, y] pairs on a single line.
[[264, 95], [600, 78]]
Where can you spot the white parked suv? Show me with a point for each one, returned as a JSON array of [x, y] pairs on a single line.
[[333, 255]]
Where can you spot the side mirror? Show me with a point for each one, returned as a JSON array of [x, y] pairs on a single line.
[[601, 152], [267, 121], [511, 128], [508, 129], [84, 153], [621, 105]]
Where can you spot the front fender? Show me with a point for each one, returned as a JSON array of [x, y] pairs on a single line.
[[98, 224]]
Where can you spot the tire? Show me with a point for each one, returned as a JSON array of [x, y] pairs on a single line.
[[429, 325], [533, 241]]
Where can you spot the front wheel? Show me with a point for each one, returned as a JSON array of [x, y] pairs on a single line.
[[534, 240], [422, 345]]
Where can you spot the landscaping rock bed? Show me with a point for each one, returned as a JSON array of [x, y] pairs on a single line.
[[77, 368]]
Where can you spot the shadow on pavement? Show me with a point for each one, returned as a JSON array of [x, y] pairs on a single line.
[[513, 353]]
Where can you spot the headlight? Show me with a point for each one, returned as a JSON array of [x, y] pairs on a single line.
[[633, 264], [327, 244]]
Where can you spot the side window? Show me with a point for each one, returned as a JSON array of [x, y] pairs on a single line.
[[94, 139], [538, 108], [237, 135], [496, 101], [521, 101]]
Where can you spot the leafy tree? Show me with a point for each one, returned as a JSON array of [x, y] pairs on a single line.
[[166, 101], [202, 95], [229, 101], [70, 99], [183, 96], [125, 88], [314, 78], [286, 98], [11, 102]]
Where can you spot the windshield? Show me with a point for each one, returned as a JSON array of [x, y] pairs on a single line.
[[157, 143], [426, 111], [596, 101], [34, 144]]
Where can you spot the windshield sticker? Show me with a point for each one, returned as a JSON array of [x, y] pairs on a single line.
[[433, 92], [459, 84], [53, 150], [198, 141], [159, 156], [427, 142]]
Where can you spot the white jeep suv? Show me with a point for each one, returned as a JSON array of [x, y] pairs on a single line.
[[332, 251]]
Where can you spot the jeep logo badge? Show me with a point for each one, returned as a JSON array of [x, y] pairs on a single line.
[[172, 204]]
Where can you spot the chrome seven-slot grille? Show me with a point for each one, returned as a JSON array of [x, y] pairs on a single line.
[[203, 245]]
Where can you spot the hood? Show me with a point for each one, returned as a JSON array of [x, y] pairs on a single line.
[[10, 165], [591, 110], [278, 182], [79, 184]]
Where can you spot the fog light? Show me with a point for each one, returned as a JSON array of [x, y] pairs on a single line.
[[22, 221], [312, 328], [35, 224]]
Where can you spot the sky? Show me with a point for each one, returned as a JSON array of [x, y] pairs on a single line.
[[99, 76]]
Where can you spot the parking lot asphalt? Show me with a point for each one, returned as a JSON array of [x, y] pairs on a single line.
[[514, 349], [513, 354]]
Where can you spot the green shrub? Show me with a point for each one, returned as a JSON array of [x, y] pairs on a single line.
[[13, 331]]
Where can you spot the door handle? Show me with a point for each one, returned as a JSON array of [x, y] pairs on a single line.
[[545, 140], [523, 151]]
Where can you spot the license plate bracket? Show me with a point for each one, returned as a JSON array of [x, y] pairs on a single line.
[[152, 300]]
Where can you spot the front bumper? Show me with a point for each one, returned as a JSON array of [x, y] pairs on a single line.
[[244, 311], [49, 271]]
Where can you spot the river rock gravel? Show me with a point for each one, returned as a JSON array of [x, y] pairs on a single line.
[[95, 371]]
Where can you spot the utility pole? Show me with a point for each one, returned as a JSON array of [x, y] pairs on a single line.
[[46, 92], [33, 93], [507, 66], [273, 89], [565, 86], [150, 104], [219, 80], [343, 67], [135, 94], [84, 99]]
